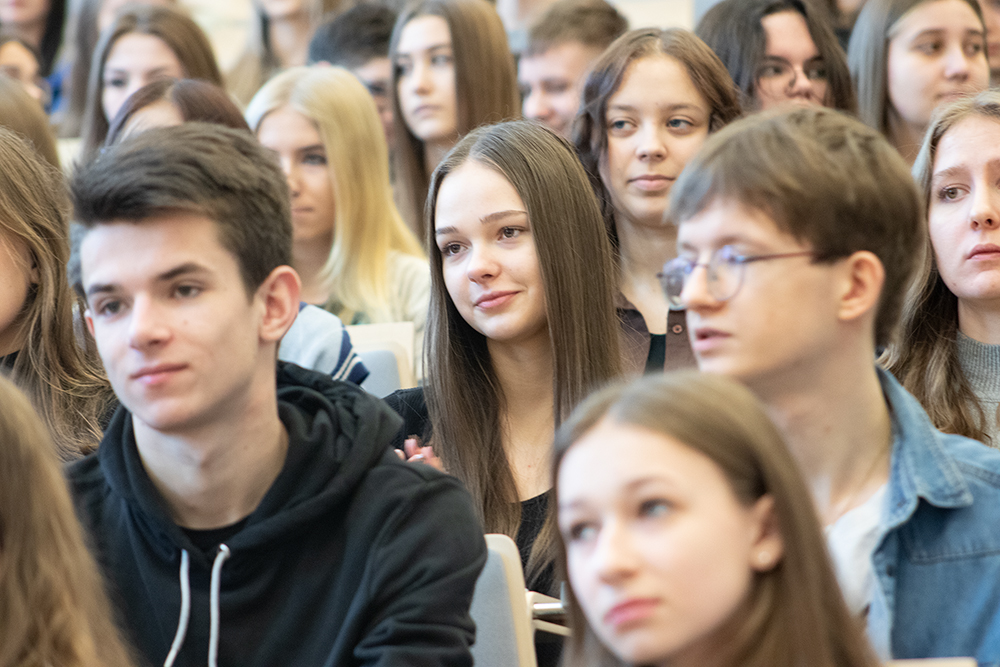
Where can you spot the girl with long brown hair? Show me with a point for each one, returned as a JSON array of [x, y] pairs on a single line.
[[452, 72], [948, 350], [521, 325], [39, 347], [52, 600], [696, 542]]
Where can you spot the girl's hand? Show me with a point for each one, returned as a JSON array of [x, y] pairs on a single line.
[[413, 452]]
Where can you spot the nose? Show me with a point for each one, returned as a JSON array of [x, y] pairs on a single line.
[[147, 326], [536, 106], [957, 63], [615, 556], [651, 145], [291, 175], [482, 264], [985, 211], [696, 295], [800, 85], [419, 80]]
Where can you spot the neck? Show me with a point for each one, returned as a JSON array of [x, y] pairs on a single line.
[[644, 250], [905, 137], [32, 33], [216, 474], [980, 321], [525, 372], [308, 259], [837, 425], [289, 37], [434, 152]]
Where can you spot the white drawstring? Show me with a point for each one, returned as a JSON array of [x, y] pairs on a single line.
[[182, 623], [213, 638]]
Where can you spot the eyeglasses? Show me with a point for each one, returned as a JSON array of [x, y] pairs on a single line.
[[779, 69], [724, 273]]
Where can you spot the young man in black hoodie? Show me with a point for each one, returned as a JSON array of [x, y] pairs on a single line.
[[239, 524]]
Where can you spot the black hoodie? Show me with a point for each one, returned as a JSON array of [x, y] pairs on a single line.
[[351, 558]]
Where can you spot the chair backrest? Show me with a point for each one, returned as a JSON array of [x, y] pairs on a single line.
[[383, 372], [397, 337], [504, 636]]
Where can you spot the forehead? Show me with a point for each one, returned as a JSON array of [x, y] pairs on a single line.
[[285, 127], [376, 70], [566, 59], [472, 192], [122, 252], [659, 80], [785, 30], [948, 15], [137, 47], [424, 32], [971, 141], [727, 221]]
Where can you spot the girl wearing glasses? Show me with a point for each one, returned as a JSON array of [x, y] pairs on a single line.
[[648, 104], [521, 325], [907, 57], [779, 52], [696, 543]]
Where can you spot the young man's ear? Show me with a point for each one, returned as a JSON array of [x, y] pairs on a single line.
[[280, 296], [864, 277]]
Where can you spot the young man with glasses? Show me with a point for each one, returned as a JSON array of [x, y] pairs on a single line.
[[798, 233]]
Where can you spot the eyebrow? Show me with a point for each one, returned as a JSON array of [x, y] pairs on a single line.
[[667, 107], [313, 147], [729, 239], [486, 219], [630, 487], [176, 272], [936, 32], [432, 47]]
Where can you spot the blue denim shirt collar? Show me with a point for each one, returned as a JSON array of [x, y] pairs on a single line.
[[920, 467]]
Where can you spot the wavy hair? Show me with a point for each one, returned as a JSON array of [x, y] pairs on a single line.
[[485, 86], [925, 359], [708, 74], [794, 613], [177, 31], [367, 227], [464, 397], [52, 598], [63, 378]]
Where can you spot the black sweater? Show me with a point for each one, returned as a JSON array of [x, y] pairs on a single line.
[[351, 558]]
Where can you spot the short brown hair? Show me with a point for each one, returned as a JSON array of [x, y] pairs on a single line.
[[826, 179], [708, 74], [794, 613], [210, 170], [593, 23]]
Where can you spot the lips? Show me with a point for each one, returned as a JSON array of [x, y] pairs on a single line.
[[494, 299], [706, 338], [985, 251], [156, 373], [630, 611]]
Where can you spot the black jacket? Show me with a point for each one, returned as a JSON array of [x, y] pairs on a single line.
[[352, 557]]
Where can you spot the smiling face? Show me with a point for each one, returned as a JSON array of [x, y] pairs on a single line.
[[426, 84], [488, 256], [660, 552], [656, 121], [302, 155], [792, 70], [135, 60], [551, 83], [793, 300], [964, 212], [935, 55], [179, 336]]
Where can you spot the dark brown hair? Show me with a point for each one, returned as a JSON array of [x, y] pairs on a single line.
[[593, 23], [734, 30], [794, 614], [868, 56], [926, 357], [64, 379], [485, 86], [823, 177], [210, 170], [464, 398], [708, 74], [52, 598], [195, 101], [179, 32]]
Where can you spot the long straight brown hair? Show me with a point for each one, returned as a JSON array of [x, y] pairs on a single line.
[[52, 599], [485, 85], [926, 357], [63, 377], [794, 614], [464, 398]]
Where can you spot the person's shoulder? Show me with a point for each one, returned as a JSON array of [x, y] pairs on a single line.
[[974, 458], [411, 405]]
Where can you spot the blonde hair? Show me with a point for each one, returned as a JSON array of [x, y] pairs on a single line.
[[367, 227], [52, 600]]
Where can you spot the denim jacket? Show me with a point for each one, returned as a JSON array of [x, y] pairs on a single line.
[[937, 565]]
